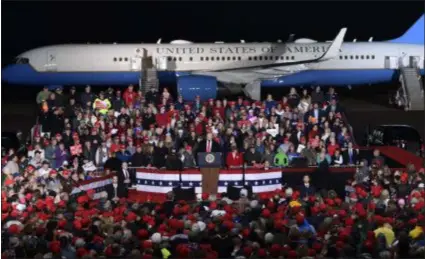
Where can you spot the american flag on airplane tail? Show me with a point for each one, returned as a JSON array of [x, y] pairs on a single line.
[[160, 181], [96, 184]]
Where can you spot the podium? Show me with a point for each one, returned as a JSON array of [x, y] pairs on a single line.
[[209, 164]]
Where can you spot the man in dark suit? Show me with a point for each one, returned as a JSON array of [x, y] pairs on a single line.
[[315, 113], [209, 145], [306, 189], [125, 178], [115, 190], [350, 155]]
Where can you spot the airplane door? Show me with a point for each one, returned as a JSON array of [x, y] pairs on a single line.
[[414, 61], [162, 63], [51, 64], [136, 64], [391, 62]]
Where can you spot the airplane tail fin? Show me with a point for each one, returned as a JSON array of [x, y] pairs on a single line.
[[414, 35]]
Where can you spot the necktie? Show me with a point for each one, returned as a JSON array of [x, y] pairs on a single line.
[[209, 146], [126, 173]]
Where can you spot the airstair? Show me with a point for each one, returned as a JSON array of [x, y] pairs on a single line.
[[149, 73], [412, 88]]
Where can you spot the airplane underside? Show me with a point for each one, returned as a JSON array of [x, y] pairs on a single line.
[[205, 84]]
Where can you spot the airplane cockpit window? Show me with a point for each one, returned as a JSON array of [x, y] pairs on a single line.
[[22, 61]]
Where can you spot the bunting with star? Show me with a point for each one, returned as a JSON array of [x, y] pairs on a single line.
[[161, 181]]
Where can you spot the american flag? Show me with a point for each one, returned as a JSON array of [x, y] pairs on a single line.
[[96, 184], [160, 181]]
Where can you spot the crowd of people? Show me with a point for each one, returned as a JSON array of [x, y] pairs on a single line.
[[381, 215]]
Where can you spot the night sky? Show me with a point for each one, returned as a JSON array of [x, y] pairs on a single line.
[[26, 25]]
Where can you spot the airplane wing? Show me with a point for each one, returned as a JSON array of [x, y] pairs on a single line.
[[331, 53]]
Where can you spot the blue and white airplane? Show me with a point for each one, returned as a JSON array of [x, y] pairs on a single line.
[[198, 69]]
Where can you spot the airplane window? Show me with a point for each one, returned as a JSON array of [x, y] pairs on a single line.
[[255, 58], [170, 58], [218, 58], [357, 57], [249, 58], [206, 58], [233, 58], [174, 59], [115, 59], [239, 58], [287, 57], [180, 58], [292, 57], [373, 56], [276, 58], [271, 57], [362, 57], [125, 59], [265, 58], [367, 56], [120, 59], [212, 58], [260, 58], [202, 58], [341, 57], [229, 58], [224, 58], [346, 57], [190, 59]]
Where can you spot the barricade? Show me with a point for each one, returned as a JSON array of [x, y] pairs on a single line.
[[161, 181]]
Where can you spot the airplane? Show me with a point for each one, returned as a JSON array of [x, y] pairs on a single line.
[[203, 69]]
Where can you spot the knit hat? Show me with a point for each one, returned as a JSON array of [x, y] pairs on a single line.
[[156, 238]]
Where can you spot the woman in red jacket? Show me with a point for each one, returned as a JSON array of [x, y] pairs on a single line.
[[234, 158]]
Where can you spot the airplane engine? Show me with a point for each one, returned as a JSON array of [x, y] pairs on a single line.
[[192, 85]]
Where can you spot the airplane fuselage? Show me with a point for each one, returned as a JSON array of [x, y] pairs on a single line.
[[230, 63]]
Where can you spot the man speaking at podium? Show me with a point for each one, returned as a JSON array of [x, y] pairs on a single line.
[[209, 145], [209, 163]]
